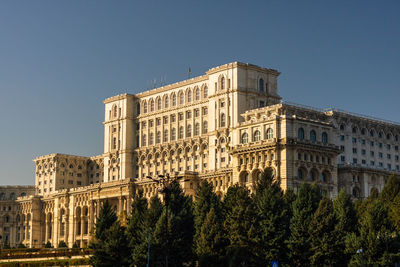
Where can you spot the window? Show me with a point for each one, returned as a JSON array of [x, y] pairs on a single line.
[[354, 140], [354, 161], [313, 136], [342, 127], [380, 145], [114, 143], [188, 114], [372, 143], [159, 104], [150, 123], [165, 137], [342, 148], [371, 133], [205, 127], [181, 98], [257, 136], [222, 83], [371, 153], [189, 131], [354, 150], [300, 134], [245, 138], [262, 104], [342, 158], [180, 135], [196, 129], [388, 146], [174, 100], [173, 134], [324, 138], [269, 133], [363, 141], [144, 107], [380, 155], [151, 138], [197, 94], [151, 105], [172, 118], [341, 137], [205, 110], [205, 92], [261, 85], [196, 112], [389, 156], [165, 119], [363, 151], [189, 96], [372, 163], [222, 122], [354, 130], [180, 116], [166, 102]]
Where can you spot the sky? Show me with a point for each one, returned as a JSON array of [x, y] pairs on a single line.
[[60, 59]]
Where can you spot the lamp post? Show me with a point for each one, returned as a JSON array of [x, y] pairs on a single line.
[[164, 187]]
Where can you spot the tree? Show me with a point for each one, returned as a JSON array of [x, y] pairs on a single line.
[[273, 220], [303, 209], [110, 242], [390, 190], [136, 230], [48, 245], [241, 227], [62, 244], [325, 247], [207, 200], [347, 222], [177, 239], [377, 238], [210, 245]]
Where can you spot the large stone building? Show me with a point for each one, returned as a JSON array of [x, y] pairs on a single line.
[[225, 127]]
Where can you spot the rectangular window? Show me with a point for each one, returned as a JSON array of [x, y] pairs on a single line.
[[354, 150], [172, 118], [205, 111], [158, 122], [372, 163], [354, 160], [180, 116], [342, 148], [389, 156], [363, 161], [380, 155], [262, 104], [380, 164], [188, 114], [222, 104], [388, 147], [372, 143], [363, 141], [380, 145], [150, 123], [397, 167], [396, 148], [354, 140], [165, 119], [371, 153], [196, 112], [363, 152], [396, 158], [342, 138], [389, 166]]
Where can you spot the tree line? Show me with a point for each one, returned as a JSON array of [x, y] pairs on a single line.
[[253, 229]]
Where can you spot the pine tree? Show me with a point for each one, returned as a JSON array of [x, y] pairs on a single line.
[[347, 222], [241, 227], [273, 220], [206, 200], [390, 190], [210, 242], [110, 243], [377, 237], [136, 230], [179, 240], [325, 247], [303, 210]]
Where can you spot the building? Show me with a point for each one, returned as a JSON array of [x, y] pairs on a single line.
[[225, 127]]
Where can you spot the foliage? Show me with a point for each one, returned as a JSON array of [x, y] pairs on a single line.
[[62, 244], [48, 245]]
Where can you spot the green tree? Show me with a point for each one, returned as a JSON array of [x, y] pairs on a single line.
[[303, 209], [62, 244], [272, 218], [325, 246], [110, 242], [179, 240], [390, 190], [347, 222], [136, 230], [241, 227], [48, 245], [207, 200], [210, 245], [377, 238]]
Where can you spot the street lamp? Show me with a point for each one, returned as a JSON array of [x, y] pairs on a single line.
[[164, 187]]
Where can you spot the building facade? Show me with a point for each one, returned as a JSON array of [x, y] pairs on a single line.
[[225, 127]]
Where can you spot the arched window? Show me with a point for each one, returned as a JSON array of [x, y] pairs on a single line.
[[312, 175], [115, 111], [189, 96], [341, 127], [313, 136], [189, 131], [324, 177], [181, 98], [138, 108], [12, 196], [159, 104], [180, 136], [173, 134], [222, 122], [174, 100], [270, 133], [299, 174], [261, 85], [196, 129], [324, 138], [356, 192], [245, 138], [151, 138], [354, 130], [205, 126], [222, 83], [257, 136], [151, 105], [300, 133], [166, 102], [205, 92], [197, 94], [158, 137], [144, 140], [371, 133], [165, 137], [144, 107]]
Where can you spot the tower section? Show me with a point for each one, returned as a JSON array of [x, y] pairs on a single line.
[[119, 137]]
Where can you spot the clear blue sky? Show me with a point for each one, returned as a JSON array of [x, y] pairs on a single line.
[[60, 59]]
